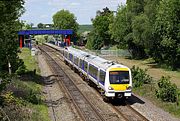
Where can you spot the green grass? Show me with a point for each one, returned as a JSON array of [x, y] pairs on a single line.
[[29, 84], [29, 60], [41, 113], [83, 28]]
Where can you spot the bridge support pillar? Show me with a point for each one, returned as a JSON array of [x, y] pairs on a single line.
[[21, 41]]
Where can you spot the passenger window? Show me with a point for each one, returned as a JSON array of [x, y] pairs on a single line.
[[75, 60], [85, 66], [93, 71], [102, 77], [81, 64], [70, 57]]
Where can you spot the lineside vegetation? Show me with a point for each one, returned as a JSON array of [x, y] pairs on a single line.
[[164, 93], [147, 28]]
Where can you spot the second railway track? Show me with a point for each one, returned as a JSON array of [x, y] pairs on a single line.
[[127, 112], [86, 110]]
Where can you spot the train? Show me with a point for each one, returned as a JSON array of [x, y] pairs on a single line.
[[114, 80]]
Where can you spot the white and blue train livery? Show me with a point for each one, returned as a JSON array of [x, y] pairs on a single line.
[[113, 79]]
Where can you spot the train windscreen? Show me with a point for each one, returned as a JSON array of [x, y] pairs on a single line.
[[119, 77]]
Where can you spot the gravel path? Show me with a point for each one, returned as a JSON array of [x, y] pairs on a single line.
[[60, 108], [149, 110]]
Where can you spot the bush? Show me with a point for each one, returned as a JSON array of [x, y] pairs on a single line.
[[21, 70], [140, 77], [4, 80], [166, 90], [15, 108], [27, 91]]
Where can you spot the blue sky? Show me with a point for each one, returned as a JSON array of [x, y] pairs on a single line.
[[41, 11]]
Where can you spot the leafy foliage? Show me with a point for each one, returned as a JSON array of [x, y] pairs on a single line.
[[119, 27], [10, 11], [167, 27], [4, 80], [94, 41], [140, 77], [24, 91], [14, 108], [100, 35], [149, 28], [63, 19], [167, 91]]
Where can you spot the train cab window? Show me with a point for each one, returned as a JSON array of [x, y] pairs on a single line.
[[102, 77], [70, 57], [76, 60], [85, 66], [119, 77], [93, 71]]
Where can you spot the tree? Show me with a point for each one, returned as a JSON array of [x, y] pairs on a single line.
[[133, 27], [63, 19], [142, 33], [10, 11], [100, 36], [167, 28], [122, 28], [40, 25], [119, 28]]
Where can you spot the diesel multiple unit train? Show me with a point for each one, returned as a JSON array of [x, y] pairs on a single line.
[[113, 79]]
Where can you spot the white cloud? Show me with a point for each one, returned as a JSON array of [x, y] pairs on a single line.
[[84, 10]]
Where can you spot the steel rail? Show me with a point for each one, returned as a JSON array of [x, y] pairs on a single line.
[[72, 90], [143, 118]]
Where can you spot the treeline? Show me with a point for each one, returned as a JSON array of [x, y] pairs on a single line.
[[10, 11], [147, 28]]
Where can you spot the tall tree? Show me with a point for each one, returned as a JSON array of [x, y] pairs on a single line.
[[10, 11], [120, 27], [101, 23], [63, 19], [168, 29]]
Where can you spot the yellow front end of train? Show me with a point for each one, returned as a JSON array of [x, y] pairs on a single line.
[[119, 82]]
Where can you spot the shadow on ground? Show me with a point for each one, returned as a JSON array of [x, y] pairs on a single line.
[[32, 76], [130, 101]]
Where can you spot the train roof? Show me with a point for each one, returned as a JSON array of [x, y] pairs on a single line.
[[94, 60]]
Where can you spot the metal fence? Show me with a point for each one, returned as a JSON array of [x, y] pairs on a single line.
[[116, 53]]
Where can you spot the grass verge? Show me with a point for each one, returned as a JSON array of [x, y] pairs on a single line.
[[164, 94], [23, 98]]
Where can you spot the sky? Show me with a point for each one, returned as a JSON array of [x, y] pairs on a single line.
[[41, 11]]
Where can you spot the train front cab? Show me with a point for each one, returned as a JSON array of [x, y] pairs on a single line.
[[119, 83]]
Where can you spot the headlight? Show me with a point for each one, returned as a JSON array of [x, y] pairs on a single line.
[[129, 88], [110, 88]]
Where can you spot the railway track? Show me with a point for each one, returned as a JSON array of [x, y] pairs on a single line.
[[128, 112], [125, 110], [86, 110]]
